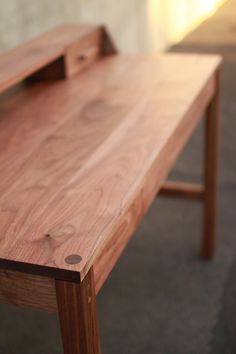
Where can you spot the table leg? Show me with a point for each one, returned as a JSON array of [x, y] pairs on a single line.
[[211, 174], [78, 316]]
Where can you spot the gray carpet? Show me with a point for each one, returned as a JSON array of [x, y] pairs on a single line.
[[161, 297]]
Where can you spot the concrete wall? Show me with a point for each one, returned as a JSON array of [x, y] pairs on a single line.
[[136, 25], [22, 19]]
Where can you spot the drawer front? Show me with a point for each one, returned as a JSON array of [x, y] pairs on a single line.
[[81, 55]]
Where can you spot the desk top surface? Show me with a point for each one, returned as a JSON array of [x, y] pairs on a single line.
[[74, 153]]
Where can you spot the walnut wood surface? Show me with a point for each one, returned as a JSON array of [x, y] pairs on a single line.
[[78, 316], [83, 158], [152, 182], [182, 190], [27, 290], [61, 52], [211, 173]]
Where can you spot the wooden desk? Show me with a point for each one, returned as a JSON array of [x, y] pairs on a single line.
[[86, 143]]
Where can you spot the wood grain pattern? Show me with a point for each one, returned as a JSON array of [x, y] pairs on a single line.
[[78, 316], [182, 190], [61, 52], [86, 150], [152, 182], [27, 290]]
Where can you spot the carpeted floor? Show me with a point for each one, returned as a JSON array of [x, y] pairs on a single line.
[[162, 298]]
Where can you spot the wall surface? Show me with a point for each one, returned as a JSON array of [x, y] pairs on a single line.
[[168, 21], [136, 25]]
